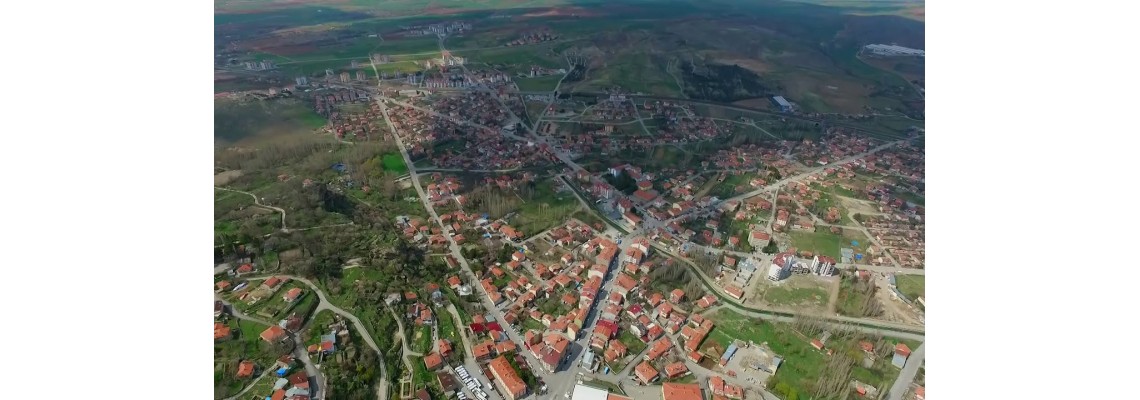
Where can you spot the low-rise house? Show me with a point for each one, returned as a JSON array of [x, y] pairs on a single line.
[[645, 372]]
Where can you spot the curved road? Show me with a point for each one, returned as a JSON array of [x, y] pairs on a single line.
[[325, 304], [257, 201]]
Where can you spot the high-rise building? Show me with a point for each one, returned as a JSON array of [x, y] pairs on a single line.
[[344, 77], [360, 75], [302, 81]]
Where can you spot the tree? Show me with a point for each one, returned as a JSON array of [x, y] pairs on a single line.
[[771, 248]]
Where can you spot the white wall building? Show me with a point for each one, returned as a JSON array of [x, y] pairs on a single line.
[[891, 50]]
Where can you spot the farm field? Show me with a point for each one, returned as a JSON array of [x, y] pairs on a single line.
[[539, 84], [239, 120]]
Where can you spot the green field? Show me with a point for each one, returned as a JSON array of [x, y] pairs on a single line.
[[795, 296], [827, 243], [637, 72], [530, 323], [395, 163], [539, 84], [850, 301], [238, 120], [911, 286], [632, 343], [802, 365], [544, 210], [514, 60]]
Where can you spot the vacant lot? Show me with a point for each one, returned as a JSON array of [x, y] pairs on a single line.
[[539, 84], [544, 209], [238, 120], [826, 243], [782, 295], [803, 365], [911, 286]]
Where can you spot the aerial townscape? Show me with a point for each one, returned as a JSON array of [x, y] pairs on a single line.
[[589, 200]]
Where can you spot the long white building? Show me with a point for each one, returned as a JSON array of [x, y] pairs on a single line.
[[892, 50]]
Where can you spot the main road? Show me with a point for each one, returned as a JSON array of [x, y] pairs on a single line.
[[906, 377], [452, 245]]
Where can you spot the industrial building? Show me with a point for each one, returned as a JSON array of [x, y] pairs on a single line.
[[783, 103], [891, 50]]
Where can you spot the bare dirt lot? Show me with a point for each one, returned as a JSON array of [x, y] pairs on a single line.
[[798, 292], [223, 178], [894, 310]]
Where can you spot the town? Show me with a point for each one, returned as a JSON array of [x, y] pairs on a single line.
[[504, 243]]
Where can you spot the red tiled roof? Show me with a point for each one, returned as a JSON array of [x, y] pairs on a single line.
[[681, 391]]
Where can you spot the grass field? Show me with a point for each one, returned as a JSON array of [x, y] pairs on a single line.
[[539, 84], [394, 162], [795, 296], [547, 209], [827, 243], [235, 121], [632, 343], [515, 59], [912, 286], [802, 365], [636, 72], [850, 301]]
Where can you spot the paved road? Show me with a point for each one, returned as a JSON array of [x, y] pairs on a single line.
[[816, 170], [908, 373], [469, 362], [452, 246], [765, 259]]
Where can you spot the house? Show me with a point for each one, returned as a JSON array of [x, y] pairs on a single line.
[[299, 379], [271, 283], [681, 391], [724, 389], [454, 282], [920, 393], [245, 369], [902, 353], [445, 348], [518, 256], [707, 301], [759, 239], [447, 381], [645, 372], [273, 334], [659, 348], [221, 332], [735, 291], [291, 295], [675, 369], [615, 350], [433, 361], [222, 286], [631, 219], [817, 344], [696, 356], [244, 269], [219, 308], [676, 296], [483, 350]]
